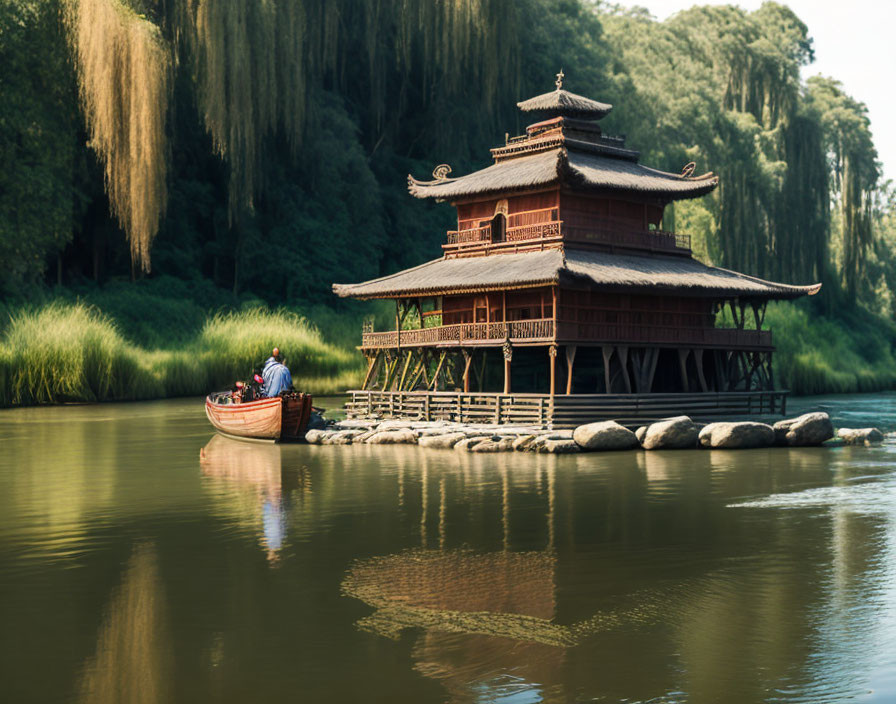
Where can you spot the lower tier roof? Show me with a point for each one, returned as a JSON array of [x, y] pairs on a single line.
[[573, 268]]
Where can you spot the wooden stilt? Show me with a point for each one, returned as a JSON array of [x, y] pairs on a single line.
[[570, 359], [683, 367], [607, 352], [552, 355], [404, 372], [698, 360], [622, 353], [435, 377], [653, 360], [507, 351], [372, 363], [468, 358]]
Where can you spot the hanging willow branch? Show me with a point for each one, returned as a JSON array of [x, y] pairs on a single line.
[[123, 68], [255, 62]]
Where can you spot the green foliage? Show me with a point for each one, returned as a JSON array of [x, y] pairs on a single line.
[[68, 353], [291, 127], [64, 352], [818, 354], [38, 142]]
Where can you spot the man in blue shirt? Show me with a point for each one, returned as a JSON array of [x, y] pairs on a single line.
[[276, 375]]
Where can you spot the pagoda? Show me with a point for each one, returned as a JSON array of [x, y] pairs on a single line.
[[560, 298]]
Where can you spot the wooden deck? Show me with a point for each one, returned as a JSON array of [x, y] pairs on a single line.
[[544, 331], [561, 411]]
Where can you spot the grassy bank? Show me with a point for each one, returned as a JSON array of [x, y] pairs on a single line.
[[153, 346], [73, 352], [817, 354]]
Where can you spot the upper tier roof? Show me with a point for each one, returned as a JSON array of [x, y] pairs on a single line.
[[571, 267], [576, 163], [562, 102]]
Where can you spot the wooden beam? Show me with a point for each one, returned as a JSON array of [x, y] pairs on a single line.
[[507, 352], [683, 367], [698, 360], [435, 377], [371, 362], [622, 353], [552, 354], [404, 372], [570, 359], [607, 352], [468, 358]]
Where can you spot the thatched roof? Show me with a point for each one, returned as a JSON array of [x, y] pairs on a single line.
[[570, 267], [562, 102], [586, 165]]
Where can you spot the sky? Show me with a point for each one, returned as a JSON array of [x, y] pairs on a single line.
[[854, 44]]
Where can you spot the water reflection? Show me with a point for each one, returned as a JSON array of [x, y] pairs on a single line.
[[265, 487], [132, 662], [755, 576]]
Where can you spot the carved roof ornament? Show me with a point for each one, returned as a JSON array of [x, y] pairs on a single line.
[[559, 81], [440, 173], [688, 169]]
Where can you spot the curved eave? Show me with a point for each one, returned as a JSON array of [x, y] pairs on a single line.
[[575, 268], [580, 168]]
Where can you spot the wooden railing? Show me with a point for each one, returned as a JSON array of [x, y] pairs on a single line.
[[603, 232], [542, 329], [560, 411], [538, 329]]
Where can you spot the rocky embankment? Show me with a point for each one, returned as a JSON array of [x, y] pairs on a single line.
[[811, 429]]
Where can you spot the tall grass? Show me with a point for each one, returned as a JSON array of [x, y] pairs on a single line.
[[820, 355], [72, 352]]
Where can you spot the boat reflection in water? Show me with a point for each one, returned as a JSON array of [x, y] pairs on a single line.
[[264, 486]]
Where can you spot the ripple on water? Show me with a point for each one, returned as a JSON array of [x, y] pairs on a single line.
[[869, 498]]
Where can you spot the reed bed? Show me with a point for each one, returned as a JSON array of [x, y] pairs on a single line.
[[69, 352]]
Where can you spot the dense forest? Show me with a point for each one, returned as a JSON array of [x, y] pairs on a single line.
[[164, 159]]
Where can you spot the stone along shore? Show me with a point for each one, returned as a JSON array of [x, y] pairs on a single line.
[[811, 429]]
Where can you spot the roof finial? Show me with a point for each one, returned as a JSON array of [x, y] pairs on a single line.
[[559, 81]]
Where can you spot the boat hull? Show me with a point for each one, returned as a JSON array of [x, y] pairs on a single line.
[[257, 419], [283, 419]]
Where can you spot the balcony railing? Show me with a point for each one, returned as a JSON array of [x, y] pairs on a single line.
[[538, 329], [601, 232], [543, 329]]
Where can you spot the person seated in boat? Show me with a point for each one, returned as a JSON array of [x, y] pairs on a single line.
[[276, 375]]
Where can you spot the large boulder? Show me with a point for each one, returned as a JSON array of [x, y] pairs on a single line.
[[860, 436], [640, 433], [673, 434], [491, 445], [606, 435], [314, 437], [440, 442], [736, 436], [468, 443], [559, 447], [524, 443], [399, 436], [808, 429], [342, 437]]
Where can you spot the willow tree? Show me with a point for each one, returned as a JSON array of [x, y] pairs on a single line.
[[723, 86], [123, 66], [854, 173], [258, 63]]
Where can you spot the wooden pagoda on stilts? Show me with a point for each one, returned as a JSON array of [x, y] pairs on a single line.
[[560, 298]]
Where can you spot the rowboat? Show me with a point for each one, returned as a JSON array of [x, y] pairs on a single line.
[[279, 418]]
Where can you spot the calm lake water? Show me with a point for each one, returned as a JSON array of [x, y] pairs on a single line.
[[145, 559]]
